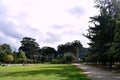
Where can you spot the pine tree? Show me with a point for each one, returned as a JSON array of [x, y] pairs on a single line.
[[115, 48], [101, 35]]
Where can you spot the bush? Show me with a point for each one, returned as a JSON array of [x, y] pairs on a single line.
[[8, 58], [69, 58], [55, 61]]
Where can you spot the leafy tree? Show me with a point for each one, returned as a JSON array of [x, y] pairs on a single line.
[[73, 47], [8, 58], [15, 57], [69, 58], [4, 51], [22, 57], [116, 4], [48, 54], [30, 47], [101, 34], [39, 55], [5, 48], [61, 50], [55, 61], [77, 46], [115, 48]]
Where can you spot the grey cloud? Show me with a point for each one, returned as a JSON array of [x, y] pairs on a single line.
[[77, 10], [57, 27], [66, 29], [28, 30], [13, 34], [4, 39], [61, 26], [10, 33], [52, 38], [10, 29], [72, 32], [7, 27]]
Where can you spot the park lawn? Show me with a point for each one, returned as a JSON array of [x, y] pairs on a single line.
[[41, 72]]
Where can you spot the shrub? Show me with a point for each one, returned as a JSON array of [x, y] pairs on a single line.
[[8, 58], [55, 61], [69, 58]]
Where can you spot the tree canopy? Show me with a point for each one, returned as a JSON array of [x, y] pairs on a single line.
[[104, 33], [30, 47]]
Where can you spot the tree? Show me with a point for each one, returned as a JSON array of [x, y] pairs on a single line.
[[8, 58], [39, 55], [15, 57], [48, 54], [77, 46], [30, 47], [69, 58], [22, 57], [73, 47], [5, 48], [116, 4], [115, 48], [101, 34], [62, 49], [4, 51]]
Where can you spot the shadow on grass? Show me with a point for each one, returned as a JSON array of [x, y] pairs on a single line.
[[69, 72]]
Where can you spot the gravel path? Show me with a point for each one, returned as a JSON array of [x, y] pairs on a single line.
[[98, 74]]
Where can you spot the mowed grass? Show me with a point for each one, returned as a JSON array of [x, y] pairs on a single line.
[[41, 72]]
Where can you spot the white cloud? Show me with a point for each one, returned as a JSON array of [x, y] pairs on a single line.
[[51, 22]]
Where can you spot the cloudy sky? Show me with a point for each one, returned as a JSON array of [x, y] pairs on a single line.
[[50, 22]]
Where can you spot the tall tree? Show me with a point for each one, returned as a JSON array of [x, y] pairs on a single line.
[[70, 47], [102, 34], [30, 47], [22, 57], [115, 48], [5, 50], [15, 57], [9, 58], [69, 58], [48, 54], [77, 46], [116, 4]]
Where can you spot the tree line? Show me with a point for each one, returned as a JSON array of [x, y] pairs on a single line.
[[30, 52], [104, 36]]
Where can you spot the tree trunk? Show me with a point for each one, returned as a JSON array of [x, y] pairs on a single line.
[[110, 64]]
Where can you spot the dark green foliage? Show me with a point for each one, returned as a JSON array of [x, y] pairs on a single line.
[[83, 52], [15, 57], [115, 48], [77, 46], [8, 58], [30, 47], [69, 58], [73, 47], [103, 34], [22, 57], [5, 53], [48, 54], [55, 61]]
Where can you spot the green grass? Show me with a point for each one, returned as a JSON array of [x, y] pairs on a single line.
[[41, 72]]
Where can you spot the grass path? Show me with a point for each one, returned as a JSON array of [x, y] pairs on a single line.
[[41, 72]]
